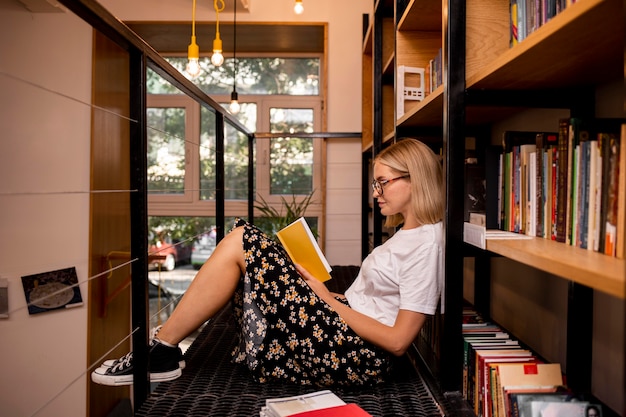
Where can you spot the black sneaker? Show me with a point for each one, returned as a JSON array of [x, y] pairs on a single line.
[[163, 366], [112, 362], [153, 333]]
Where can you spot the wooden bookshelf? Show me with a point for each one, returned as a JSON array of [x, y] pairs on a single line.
[[422, 15], [418, 40], [428, 112], [595, 270], [367, 105], [580, 46], [576, 51]]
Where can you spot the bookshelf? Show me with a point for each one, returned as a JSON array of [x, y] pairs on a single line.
[[367, 86], [558, 65], [592, 269], [574, 42]]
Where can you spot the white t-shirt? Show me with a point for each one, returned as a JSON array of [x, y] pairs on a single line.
[[406, 272]]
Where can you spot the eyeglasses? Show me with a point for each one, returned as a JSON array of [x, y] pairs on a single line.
[[378, 185]]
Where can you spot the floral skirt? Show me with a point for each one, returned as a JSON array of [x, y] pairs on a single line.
[[289, 334]]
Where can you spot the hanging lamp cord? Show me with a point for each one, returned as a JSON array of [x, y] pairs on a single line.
[[219, 6], [193, 20], [235, 47]]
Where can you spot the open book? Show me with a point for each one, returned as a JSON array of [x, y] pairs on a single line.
[[302, 248]]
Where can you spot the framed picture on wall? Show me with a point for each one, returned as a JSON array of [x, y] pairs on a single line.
[[52, 290]]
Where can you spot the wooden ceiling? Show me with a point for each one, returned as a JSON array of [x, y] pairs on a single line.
[[251, 37]]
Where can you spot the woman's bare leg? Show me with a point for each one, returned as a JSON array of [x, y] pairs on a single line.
[[210, 290]]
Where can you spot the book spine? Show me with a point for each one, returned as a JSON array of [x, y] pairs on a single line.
[[621, 203], [514, 38], [583, 214], [561, 186], [553, 193], [539, 186], [531, 221], [570, 184], [517, 190], [595, 183], [506, 216], [572, 219], [604, 143]]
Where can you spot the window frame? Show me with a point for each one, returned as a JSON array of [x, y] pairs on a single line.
[[192, 133], [190, 204]]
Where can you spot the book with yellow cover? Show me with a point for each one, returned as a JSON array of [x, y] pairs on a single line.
[[302, 248]]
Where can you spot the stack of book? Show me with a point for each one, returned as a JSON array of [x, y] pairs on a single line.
[[503, 379], [316, 404]]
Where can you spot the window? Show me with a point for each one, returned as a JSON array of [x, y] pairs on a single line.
[[235, 155], [278, 96], [291, 159], [166, 150], [255, 76]]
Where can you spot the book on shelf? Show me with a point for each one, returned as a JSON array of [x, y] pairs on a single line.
[[563, 191], [577, 168], [516, 145], [545, 145], [564, 186], [302, 248], [521, 376], [528, 404], [558, 409], [526, 16], [595, 165], [479, 341], [477, 235], [605, 142], [477, 377], [621, 212], [503, 379], [485, 359], [489, 404], [526, 188], [435, 70], [322, 403], [595, 195], [614, 155], [542, 375], [513, 36]]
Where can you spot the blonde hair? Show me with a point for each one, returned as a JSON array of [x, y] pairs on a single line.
[[412, 157]]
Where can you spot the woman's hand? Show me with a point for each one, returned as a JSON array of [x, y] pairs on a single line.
[[395, 339], [316, 285]]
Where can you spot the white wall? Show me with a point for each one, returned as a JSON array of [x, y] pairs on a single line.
[[343, 220], [45, 80], [343, 207]]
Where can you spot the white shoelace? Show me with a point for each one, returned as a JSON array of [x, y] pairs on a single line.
[[123, 362]]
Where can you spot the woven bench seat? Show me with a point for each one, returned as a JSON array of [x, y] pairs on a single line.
[[212, 385]]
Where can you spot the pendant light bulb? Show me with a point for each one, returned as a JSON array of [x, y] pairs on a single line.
[[298, 8], [193, 54], [217, 58], [234, 106], [193, 51]]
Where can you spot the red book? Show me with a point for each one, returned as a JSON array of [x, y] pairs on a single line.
[[348, 410]]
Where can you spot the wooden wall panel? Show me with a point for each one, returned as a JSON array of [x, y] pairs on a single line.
[[109, 322]]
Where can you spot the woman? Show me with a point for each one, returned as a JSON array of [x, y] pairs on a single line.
[[292, 327]]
